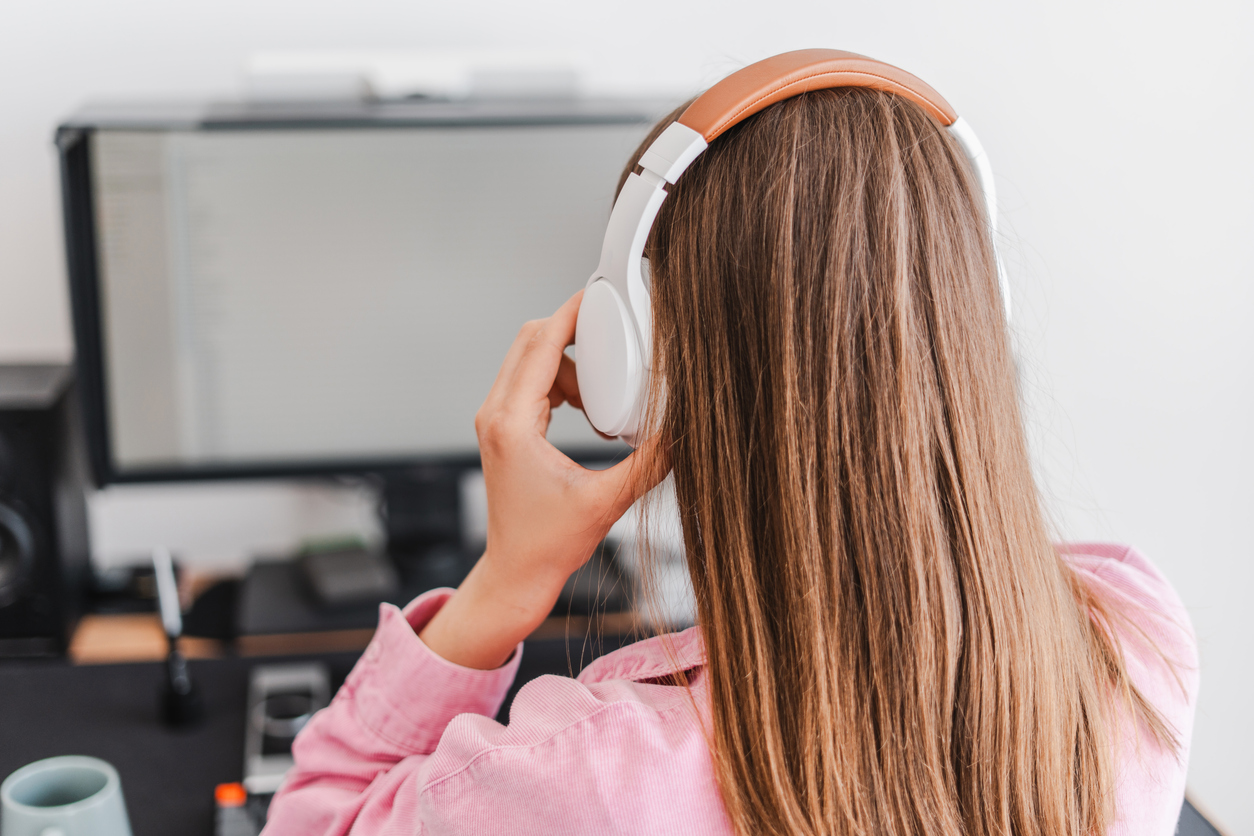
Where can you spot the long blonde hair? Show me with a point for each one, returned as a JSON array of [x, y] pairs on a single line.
[[895, 647]]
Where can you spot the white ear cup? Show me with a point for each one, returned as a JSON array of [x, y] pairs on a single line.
[[613, 336], [608, 362]]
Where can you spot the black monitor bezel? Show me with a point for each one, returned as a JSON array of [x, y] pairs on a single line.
[[73, 141]]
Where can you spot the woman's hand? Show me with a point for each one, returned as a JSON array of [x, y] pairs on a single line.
[[546, 513]]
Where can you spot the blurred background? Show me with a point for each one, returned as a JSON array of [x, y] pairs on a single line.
[[1119, 133]]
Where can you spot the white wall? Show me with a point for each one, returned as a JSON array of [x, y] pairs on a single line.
[[1120, 135]]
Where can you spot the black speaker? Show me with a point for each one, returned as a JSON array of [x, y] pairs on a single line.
[[44, 550]]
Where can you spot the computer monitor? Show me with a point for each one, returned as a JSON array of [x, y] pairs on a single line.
[[285, 289]]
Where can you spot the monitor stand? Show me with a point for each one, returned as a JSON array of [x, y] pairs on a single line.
[[422, 518]]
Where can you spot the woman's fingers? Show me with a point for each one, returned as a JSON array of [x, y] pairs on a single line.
[[538, 366], [566, 386], [501, 385], [505, 383]]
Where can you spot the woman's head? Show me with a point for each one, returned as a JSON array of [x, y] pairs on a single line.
[[894, 645]]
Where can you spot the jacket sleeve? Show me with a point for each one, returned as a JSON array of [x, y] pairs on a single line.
[[359, 760]]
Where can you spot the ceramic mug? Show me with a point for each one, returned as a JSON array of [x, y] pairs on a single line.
[[73, 795]]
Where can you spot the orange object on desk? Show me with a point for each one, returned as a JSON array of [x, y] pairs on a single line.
[[230, 795]]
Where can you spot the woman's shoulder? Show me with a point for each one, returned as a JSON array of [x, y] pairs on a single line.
[[1145, 613], [1139, 592], [1121, 567], [1156, 639]]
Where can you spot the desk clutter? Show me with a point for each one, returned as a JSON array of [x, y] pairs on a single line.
[[276, 609], [170, 775]]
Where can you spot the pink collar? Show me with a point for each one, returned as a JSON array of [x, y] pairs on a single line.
[[651, 658]]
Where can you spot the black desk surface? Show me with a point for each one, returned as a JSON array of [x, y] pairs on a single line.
[[168, 776], [110, 712]]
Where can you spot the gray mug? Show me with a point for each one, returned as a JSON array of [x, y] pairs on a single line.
[[72, 795]]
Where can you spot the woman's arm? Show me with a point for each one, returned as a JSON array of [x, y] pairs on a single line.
[[546, 513], [360, 762], [356, 756]]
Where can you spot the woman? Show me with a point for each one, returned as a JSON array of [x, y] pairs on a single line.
[[888, 643]]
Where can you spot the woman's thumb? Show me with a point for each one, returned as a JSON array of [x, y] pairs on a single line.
[[634, 476]]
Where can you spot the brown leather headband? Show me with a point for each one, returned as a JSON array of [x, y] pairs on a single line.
[[746, 91]]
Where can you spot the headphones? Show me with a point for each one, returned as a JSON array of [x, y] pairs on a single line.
[[614, 333]]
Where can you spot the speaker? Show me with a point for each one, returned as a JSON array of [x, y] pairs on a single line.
[[44, 548]]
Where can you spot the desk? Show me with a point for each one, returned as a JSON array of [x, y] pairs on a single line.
[[110, 711]]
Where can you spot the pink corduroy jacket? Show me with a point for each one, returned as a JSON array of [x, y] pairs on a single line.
[[409, 746]]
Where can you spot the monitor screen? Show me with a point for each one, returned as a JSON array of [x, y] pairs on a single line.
[[280, 296]]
